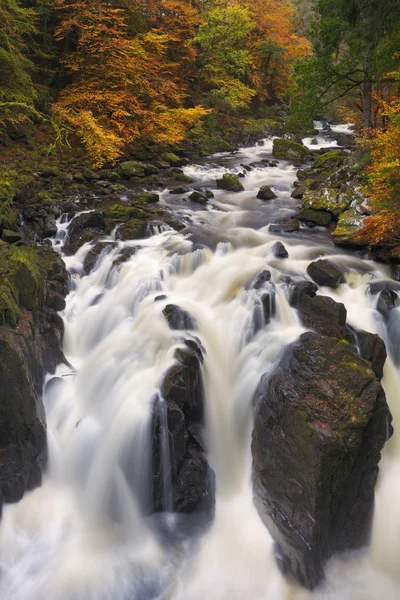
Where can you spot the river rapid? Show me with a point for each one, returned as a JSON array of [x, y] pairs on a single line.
[[83, 534]]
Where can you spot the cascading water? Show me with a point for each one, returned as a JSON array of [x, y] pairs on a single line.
[[85, 534]]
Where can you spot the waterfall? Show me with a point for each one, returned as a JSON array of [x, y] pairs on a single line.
[[87, 534]]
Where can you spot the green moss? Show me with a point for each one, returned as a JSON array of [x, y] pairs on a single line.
[[330, 160], [26, 277], [171, 158], [347, 230], [134, 229], [287, 150], [230, 182], [131, 168], [124, 213], [9, 310], [182, 177], [318, 217], [327, 199]]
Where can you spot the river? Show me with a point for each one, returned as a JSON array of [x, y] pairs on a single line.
[[82, 535]]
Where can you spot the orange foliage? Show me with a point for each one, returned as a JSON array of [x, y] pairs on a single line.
[[275, 47], [122, 88]]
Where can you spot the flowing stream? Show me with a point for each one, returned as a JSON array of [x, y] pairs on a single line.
[[83, 534]]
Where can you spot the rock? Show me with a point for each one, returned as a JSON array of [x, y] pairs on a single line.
[[198, 198], [131, 169], [330, 160], [172, 159], [286, 226], [134, 229], [79, 178], [317, 217], [179, 190], [188, 485], [265, 193], [372, 349], [299, 191], [82, 229], [30, 341], [279, 250], [287, 150], [151, 169], [325, 273], [388, 300], [49, 229], [11, 237], [94, 254], [396, 273], [302, 288], [345, 140], [146, 198], [261, 279], [230, 182], [178, 318], [323, 315], [320, 426], [124, 255], [49, 171], [347, 232], [327, 199]]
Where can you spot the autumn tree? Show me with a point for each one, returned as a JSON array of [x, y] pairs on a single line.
[[122, 87], [274, 47]]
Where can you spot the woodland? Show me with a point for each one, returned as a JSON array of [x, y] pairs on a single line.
[[97, 81]]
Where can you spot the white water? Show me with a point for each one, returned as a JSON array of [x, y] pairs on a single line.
[[82, 535]]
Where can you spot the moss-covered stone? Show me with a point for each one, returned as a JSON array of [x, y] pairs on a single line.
[[147, 198], [287, 150], [327, 199], [330, 160], [124, 213], [131, 168], [230, 182], [135, 229], [182, 177], [172, 159], [347, 232], [317, 217]]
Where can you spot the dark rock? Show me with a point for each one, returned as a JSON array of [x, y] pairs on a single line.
[[160, 297], [279, 250], [388, 299], [323, 315], [287, 150], [55, 301], [320, 426], [261, 279], [179, 190], [286, 226], [372, 349], [396, 273], [265, 193], [11, 237], [187, 484], [49, 228], [124, 255], [325, 273], [198, 198], [94, 254], [178, 318], [302, 288], [82, 229], [299, 191]]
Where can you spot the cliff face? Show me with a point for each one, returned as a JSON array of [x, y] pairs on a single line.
[[33, 284]]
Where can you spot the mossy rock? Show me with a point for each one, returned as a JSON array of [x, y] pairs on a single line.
[[287, 150], [172, 159], [49, 171], [11, 237], [230, 183], [131, 168], [8, 217], [327, 199], [123, 213], [347, 232], [151, 169], [182, 177], [317, 217], [147, 198], [135, 229], [330, 160]]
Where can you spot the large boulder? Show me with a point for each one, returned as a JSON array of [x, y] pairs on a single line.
[[287, 150], [323, 272], [348, 230], [82, 229], [230, 182], [30, 345], [327, 199], [323, 315], [315, 217], [131, 169], [320, 426], [183, 483], [265, 193]]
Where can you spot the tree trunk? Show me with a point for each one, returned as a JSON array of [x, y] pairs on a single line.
[[367, 103]]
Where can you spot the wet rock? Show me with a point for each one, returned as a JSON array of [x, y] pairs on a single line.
[[146, 198], [265, 193], [388, 300], [178, 318], [261, 279], [131, 169], [124, 255], [279, 250], [316, 445], [188, 483], [11, 237], [286, 226], [302, 288], [299, 191], [82, 229], [134, 229], [94, 254], [333, 159], [49, 228], [285, 149], [316, 217], [323, 272], [323, 315], [198, 198], [396, 273], [179, 190], [230, 182], [328, 200], [372, 349]]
